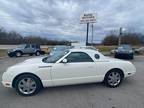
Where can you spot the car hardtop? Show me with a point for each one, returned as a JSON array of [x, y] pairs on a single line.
[[82, 50], [90, 52]]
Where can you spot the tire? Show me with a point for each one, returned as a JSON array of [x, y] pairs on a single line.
[[37, 53], [113, 78], [115, 56], [131, 56], [28, 85], [10, 55], [18, 54]]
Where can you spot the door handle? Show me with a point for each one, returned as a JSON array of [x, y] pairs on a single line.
[[44, 66], [90, 67]]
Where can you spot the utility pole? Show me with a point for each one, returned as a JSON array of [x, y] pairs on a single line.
[[120, 34], [87, 34], [92, 35]]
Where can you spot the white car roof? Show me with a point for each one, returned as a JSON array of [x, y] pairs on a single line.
[[83, 50], [90, 52]]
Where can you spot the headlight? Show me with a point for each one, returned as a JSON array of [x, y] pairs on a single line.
[[131, 51]]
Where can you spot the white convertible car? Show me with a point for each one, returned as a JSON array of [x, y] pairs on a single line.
[[73, 66]]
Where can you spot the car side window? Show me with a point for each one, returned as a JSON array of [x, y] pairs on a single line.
[[27, 46], [78, 57], [33, 46]]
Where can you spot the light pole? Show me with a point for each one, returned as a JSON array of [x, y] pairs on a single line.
[[121, 32], [120, 35], [92, 35], [87, 34]]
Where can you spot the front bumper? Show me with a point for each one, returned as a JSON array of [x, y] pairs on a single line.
[[7, 84], [6, 80], [123, 55], [11, 54]]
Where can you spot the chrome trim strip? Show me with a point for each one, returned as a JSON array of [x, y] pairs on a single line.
[[44, 66]]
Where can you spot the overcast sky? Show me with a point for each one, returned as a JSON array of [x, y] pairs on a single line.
[[60, 19]]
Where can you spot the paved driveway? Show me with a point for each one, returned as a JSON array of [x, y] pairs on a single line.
[[129, 95]]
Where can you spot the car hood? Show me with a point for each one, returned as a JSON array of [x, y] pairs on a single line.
[[124, 50], [33, 61], [29, 64], [14, 49]]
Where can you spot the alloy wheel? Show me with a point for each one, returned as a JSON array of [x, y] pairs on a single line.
[[27, 86], [114, 78]]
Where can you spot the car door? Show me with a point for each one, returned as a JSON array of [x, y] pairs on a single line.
[[33, 48], [80, 68], [27, 48]]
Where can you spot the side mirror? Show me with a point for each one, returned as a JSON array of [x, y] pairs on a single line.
[[64, 61]]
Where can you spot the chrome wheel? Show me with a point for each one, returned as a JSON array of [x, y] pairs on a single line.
[[37, 53], [114, 78], [18, 54], [27, 86]]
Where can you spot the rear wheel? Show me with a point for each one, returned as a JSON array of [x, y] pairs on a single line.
[[37, 53], [113, 78], [28, 85]]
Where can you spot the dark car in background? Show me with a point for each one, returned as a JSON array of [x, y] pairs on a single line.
[[124, 51], [31, 49]]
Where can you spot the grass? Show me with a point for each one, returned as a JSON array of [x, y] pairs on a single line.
[[3, 52], [103, 48]]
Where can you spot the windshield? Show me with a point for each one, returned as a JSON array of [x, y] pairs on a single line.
[[55, 57], [127, 47], [59, 48], [22, 46]]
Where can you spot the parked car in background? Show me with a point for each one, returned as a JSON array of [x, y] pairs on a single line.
[[139, 50], [31, 49], [124, 51], [113, 51], [59, 48], [73, 66], [85, 47]]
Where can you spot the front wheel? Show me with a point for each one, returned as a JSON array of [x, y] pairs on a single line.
[[18, 54], [28, 85], [113, 78]]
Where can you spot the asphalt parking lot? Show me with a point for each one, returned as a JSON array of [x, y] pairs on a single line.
[[130, 94]]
